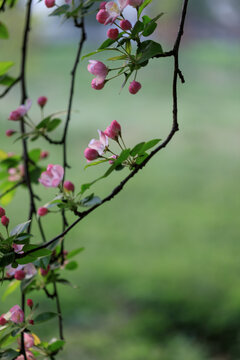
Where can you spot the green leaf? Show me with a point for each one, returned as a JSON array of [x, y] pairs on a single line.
[[56, 345], [138, 27], [96, 163], [148, 50], [148, 145], [34, 155], [120, 57], [37, 253], [128, 46], [11, 288], [95, 52], [8, 354], [109, 42], [6, 259], [141, 158], [142, 7], [74, 252], [6, 80], [20, 228], [26, 260], [53, 124], [72, 265], [5, 66], [146, 19], [94, 200], [44, 317], [60, 10], [149, 29], [136, 149], [3, 31], [44, 123]]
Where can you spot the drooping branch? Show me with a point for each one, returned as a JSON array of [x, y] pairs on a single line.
[[174, 129], [10, 87]]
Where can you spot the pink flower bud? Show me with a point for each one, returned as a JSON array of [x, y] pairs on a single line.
[[112, 34], [5, 220], [17, 315], [97, 68], [90, 154], [15, 115], [49, 3], [135, 3], [44, 154], [42, 100], [134, 87], [30, 303], [112, 161], [42, 211], [68, 185], [102, 16], [31, 322], [2, 212], [44, 272], [3, 321], [125, 25], [102, 5], [114, 130], [19, 275], [10, 132], [97, 85]]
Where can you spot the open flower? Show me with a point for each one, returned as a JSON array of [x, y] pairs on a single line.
[[20, 111], [27, 271], [114, 10], [53, 176], [28, 341], [29, 356], [99, 145], [17, 315]]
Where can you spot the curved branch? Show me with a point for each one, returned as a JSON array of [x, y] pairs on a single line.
[[11, 188], [10, 87]]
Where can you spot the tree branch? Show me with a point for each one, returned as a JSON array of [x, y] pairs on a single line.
[[11, 188], [10, 87]]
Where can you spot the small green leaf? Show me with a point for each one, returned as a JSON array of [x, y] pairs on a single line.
[[5, 66], [72, 265], [44, 123], [20, 228], [56, 345], [136, 149], [74, 252], [148, 145], [11, 288], [53, 124], [93, 163], [142, 7], [60, 10], [148, 50], [138, 27], [3, 31], [120, 57], [95, 52], [34, 155], [109, 42], [44, 317], [8, 354], [6, 80], [149, 29]]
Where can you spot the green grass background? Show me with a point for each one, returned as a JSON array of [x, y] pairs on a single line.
[[160, 274]]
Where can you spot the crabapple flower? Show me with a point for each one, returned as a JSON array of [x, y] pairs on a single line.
[[99, 145], [28, 341], [2, 212], [53, 176], [102, 5], [10, 132], [68, 185], [112, 34], [29, 356], [114, 130], [30, 304], [135, 3], [49, 3], [5, 220], [42, 100], [17, 315], [44, 154], [16, 174], [19, 275], [3, 321], [90, 154], [42, 211], [134, 87], [114, 10], [97, 84], [20, 111], [125, 25], [97, 68], [28, 269], [102, 16]]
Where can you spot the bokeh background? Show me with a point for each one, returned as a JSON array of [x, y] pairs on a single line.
[[160, 275]]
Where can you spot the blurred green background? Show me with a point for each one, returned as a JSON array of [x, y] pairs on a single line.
[[160, 274]]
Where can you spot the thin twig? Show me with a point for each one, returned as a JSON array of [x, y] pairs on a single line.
[[11, 188], [10, 87]]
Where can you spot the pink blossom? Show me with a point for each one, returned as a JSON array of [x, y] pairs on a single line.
[[29, 356], [19, 275], [102, 5], [44, 154], [5, 220], [112, 161], [90, 154], [28, 341], [28, 269], [102, 16], [99, 145], [97, 68], [16, 174], [134, 87], [125, 24], [135, 3], [20, 111], [17, 315], [10, 132], [114, 10], [53, 176], [3, 321], [113, 34], [18, 248], [30, 303], [68, 185], [2, 212], [97, 84], [114, 130], [42, 100], [42, 211], [49, 3]]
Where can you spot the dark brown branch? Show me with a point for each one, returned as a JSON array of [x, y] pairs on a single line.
[[9, 87], [11, 188], [2, 8], [174, 129]]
